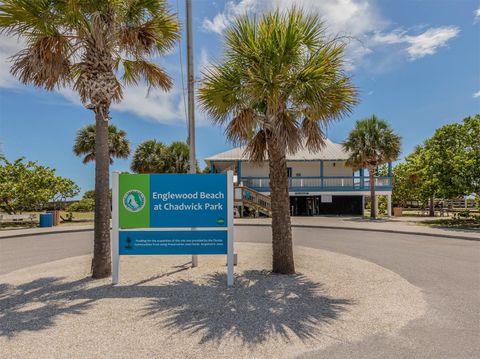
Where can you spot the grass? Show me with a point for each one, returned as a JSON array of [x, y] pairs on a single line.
[[78, 218], [454, 223]]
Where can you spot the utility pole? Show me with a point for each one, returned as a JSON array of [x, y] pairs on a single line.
[[191, 98]]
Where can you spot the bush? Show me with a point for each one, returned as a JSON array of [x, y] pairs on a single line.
[[84, 205]]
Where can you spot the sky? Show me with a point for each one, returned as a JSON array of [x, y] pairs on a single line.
[[416, 64]]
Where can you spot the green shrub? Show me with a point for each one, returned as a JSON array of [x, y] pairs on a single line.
[[84, 205]]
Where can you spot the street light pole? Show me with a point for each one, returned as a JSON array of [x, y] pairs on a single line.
[[191, 99]]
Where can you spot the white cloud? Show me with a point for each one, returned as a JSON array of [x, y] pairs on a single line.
[[354, 17], [418, 46], [430, 41], [218, 24], [359, 20], [156, 105], [160, 106], [476, 15], [232, 9], [476, 94], [8, 46]]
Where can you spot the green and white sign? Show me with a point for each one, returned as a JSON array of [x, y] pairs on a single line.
[[160, 214]]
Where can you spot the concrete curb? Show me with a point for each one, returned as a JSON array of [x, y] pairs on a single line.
[[451, 236], [29, 234]]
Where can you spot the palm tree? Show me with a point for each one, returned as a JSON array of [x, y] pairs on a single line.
[[372, 143], [178, 157], [279, 82], [118, 145], [150, 157], [94, 46]]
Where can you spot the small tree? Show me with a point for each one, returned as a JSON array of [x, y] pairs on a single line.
[[155, 157], [65, 188], [118, 145], [29, 186], [371, 144], [452, 158], [178, 157], [404, 186], [150, 157]]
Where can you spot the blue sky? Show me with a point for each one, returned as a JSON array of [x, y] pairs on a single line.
[[416, 63]]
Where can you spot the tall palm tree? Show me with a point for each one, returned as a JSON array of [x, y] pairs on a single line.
[[93, 46], [150, 157], [279, 82], [372, 143], [118, 145]]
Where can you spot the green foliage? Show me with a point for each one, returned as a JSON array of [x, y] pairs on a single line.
[[149, 157], [64, 37], [280, 79], [372, 143], [89, 194], [405, 187], [155, 157], [29, 186], [118, 145], [65, 188], [447, 165], [84, 205], [177, 158]]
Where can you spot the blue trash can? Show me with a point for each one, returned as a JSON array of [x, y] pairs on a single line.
[[46, 220]]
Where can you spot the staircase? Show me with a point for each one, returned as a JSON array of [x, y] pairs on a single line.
[[247, 197]]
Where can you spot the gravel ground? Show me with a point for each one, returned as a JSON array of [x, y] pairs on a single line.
[[164, 309]]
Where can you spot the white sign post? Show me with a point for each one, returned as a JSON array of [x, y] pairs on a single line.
[[230, 249], [115, 230]]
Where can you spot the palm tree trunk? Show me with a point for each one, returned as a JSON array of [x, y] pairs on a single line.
[[373, 213], [283, 262], [101, 263]]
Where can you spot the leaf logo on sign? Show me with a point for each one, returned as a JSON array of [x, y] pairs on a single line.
[[134, 200]]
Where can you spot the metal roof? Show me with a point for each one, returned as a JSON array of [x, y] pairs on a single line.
[[331, 151]]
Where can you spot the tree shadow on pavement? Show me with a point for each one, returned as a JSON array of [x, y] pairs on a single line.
[[259, 306]]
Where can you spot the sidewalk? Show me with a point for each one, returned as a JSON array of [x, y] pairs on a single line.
[[405, 225]]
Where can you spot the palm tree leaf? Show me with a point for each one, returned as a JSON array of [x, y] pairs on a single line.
[[313, 134], [44, 62], [154, 75], [241, 128], [256, 148]]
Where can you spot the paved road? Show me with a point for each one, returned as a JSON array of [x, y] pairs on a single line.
[[447, 270]]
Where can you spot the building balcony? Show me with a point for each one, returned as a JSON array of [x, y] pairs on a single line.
[[321, 184]]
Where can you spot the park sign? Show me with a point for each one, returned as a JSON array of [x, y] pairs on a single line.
[[172, 200], [172, 214]]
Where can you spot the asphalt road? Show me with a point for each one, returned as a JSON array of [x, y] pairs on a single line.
[[447, 270]]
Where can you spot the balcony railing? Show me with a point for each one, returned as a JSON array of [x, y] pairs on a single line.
[[351, 183]]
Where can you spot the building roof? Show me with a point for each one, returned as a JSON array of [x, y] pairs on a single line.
[[331, 151]]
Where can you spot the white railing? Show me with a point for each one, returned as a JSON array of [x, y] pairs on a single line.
[[250, 196], [351, 183]]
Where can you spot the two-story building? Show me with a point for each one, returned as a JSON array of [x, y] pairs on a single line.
[[320, 183]]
